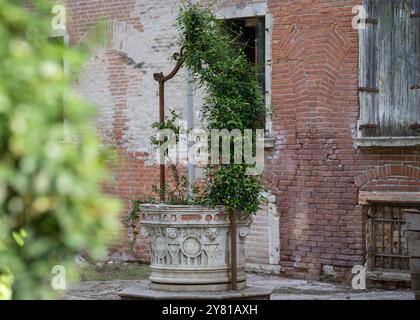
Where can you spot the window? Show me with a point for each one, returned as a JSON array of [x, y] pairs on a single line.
[[252, 31], [386, 245], [256, 25], [390, 70]]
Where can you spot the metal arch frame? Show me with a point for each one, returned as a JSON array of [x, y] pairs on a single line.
[[161, 79]]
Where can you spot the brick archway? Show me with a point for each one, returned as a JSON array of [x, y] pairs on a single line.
[[387, 171]]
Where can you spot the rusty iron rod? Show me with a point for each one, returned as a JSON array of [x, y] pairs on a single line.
[[368, 21], [372, 90], [233, 251], [162, 154], [159, 77], [368, 126]]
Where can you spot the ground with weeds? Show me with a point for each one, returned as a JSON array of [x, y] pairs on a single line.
[[103, 281], [110, 271]]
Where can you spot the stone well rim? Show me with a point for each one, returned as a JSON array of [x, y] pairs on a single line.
[[180, 206]]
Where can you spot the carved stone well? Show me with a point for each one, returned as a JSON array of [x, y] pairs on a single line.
[[190, 247]]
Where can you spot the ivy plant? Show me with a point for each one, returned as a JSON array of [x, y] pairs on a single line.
[[233, 101]]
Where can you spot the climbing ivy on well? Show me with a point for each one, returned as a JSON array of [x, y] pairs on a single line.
[[233, 101]]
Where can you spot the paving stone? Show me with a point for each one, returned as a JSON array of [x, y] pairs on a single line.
[[284, 289]]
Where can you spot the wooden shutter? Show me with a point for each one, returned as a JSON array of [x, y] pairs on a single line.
[[389, 69]]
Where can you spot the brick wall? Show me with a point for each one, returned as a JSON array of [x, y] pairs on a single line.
[[141, 34], [316, 170], [118, 80], [318, 175]]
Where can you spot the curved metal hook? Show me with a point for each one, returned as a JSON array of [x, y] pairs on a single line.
[[162, 78]]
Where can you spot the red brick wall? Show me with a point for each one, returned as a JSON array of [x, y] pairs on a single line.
[[315, 170], [112, 83], [315, 109], [85, 14]]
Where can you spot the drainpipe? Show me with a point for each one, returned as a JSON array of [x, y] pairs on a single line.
[[190, 127]]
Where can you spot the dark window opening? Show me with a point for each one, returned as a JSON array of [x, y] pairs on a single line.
[[252, 37], [385, 238]]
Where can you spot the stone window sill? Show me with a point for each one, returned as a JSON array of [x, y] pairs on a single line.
[[366, 197], [388, 142], [269, 142], [389, 276]]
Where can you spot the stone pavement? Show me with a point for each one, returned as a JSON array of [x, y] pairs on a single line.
[[284, 289]]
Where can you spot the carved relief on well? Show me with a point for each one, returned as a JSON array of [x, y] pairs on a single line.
[[190, 245], [182, 214], [160, 246], [184, 244], [172, 233], [243, 232]]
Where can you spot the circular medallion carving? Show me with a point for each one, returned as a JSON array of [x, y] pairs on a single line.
[[192, 246], [160, 246], [144, 231]]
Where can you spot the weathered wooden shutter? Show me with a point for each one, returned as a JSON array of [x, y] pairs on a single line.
[[390, 69]]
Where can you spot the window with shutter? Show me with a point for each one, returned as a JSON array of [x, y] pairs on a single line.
[[390, 74]]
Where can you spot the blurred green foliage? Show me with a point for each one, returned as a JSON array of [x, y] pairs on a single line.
[[51, 204]]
